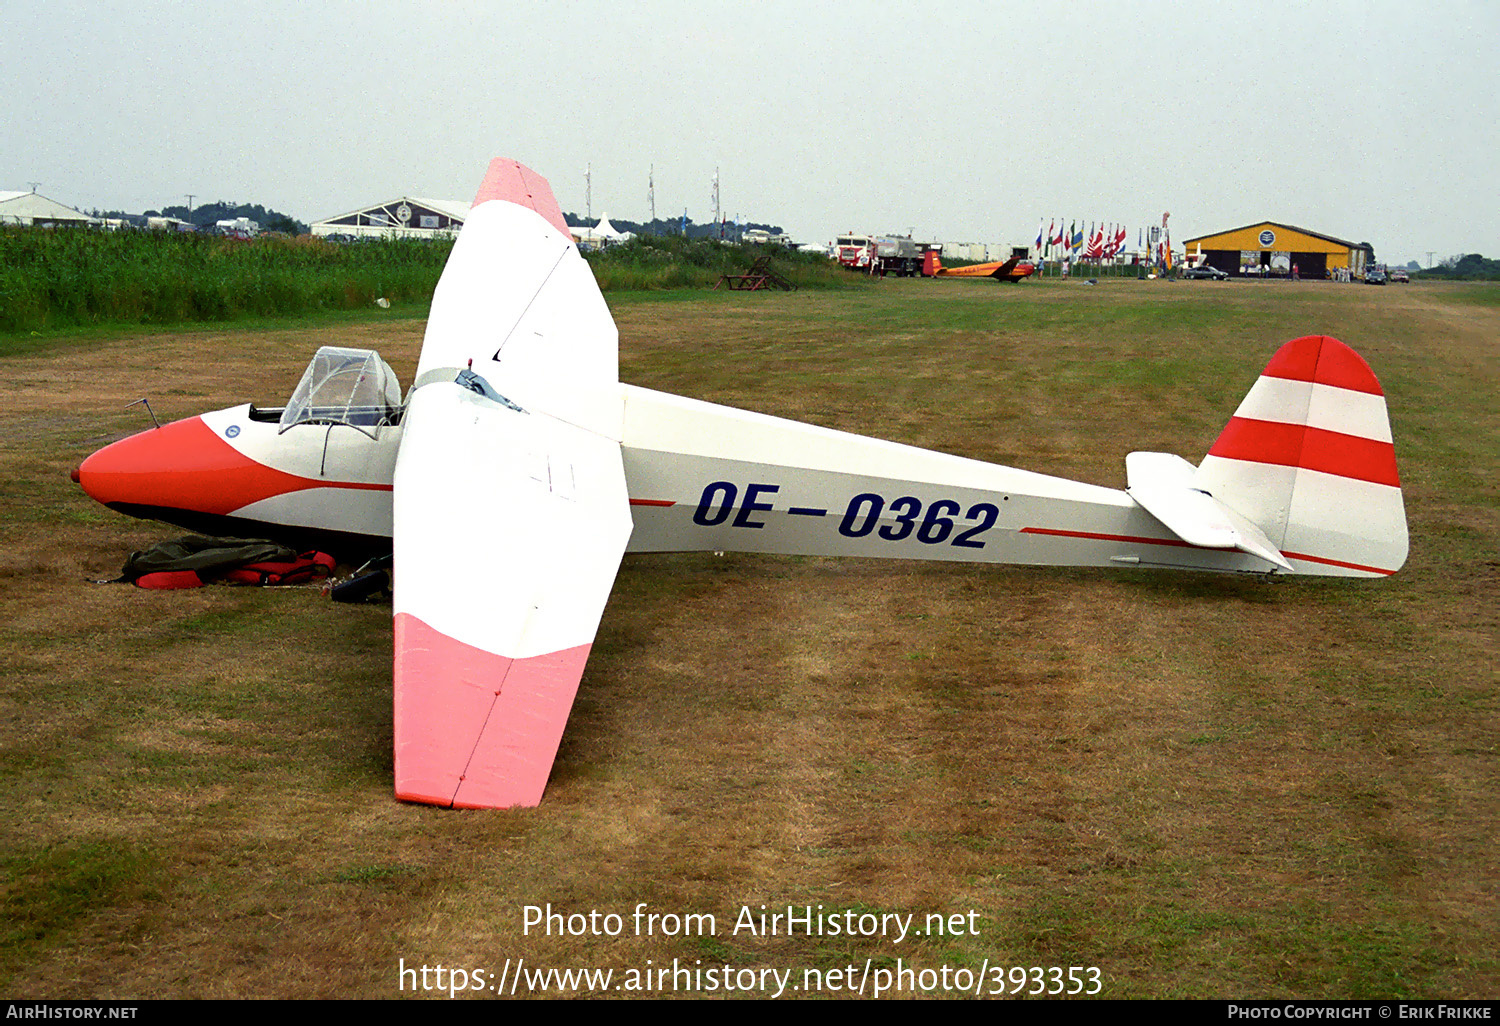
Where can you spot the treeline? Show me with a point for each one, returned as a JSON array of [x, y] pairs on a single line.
[[678, 227], [60, 278], [1471, 267], [206, 215]]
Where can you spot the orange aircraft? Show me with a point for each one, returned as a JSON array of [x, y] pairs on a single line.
[[1013, 270]]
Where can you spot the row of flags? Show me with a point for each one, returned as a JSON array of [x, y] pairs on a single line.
[[1101, 241]]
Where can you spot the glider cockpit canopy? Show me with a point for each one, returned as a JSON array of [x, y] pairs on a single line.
[[345, 386]]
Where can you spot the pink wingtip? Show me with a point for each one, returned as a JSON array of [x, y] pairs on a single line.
[[514, 182], [474, 729]]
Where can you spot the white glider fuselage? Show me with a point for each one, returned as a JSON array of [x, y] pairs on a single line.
[[700, 473], [699, 479]]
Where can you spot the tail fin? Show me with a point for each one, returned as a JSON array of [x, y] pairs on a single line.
[[1308, 458], [932, 264]]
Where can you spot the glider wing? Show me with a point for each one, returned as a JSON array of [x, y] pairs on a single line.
[[510, 508]]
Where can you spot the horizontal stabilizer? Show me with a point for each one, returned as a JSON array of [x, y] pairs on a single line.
[[1162, 484]]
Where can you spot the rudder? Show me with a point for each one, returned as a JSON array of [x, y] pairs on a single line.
[[1308, 457]]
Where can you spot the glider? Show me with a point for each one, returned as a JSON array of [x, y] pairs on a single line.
[[1013, 270], [519, 470]]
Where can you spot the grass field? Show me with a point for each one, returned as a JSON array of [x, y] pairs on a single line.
[[76, 278], [1203, 786]]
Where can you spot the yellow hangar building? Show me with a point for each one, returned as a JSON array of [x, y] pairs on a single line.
[[1269, 249]]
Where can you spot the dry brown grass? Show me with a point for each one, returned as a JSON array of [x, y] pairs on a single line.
[[1204, 786]]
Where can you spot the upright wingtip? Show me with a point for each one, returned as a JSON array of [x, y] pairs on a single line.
[[514, 182]]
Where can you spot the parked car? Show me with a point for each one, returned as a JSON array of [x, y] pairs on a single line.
[[1375, 276], [1399, 274], [1211, 273]]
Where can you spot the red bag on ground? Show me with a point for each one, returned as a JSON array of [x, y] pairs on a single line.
[[309, 566]]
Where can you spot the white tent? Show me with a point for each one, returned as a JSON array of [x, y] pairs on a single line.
[[34, 209], [602, 234]]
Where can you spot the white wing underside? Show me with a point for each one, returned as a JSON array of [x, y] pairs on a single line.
[[519, 301]]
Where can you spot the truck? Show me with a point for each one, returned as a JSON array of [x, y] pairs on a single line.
[[880, 254], [761, 237], [238, 227]]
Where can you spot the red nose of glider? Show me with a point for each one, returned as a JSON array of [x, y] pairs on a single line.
[[184, 465]]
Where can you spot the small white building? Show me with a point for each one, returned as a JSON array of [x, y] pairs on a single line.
[[238, 226], [157, 223], [31, 208], [405, 217]]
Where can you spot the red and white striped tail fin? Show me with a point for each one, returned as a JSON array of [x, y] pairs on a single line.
[[1308, 457]]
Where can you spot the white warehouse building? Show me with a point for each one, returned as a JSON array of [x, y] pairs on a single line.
[[30, 208]]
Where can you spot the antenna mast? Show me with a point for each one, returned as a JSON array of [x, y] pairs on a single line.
[[588, 190], [651, 190]]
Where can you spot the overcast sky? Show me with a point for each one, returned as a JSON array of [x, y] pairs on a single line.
[[1372, 121]]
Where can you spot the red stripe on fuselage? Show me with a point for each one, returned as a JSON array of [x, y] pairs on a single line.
[[1057, 532], [1337, 562], [1297, 445], [186, 465], [1178, 542]]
